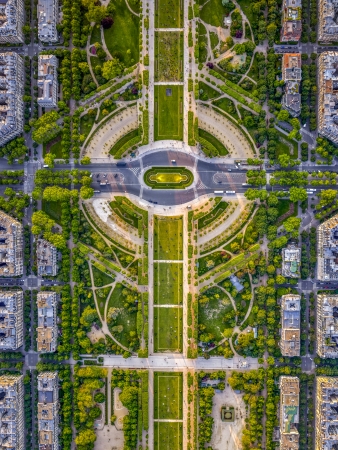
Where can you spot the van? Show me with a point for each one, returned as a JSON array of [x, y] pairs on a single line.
[[121, 164], [45, 166]]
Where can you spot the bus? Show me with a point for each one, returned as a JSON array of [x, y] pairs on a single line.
[[230, 192], [219, 192]]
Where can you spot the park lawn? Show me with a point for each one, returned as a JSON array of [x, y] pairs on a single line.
[[213, 13], [212, 314], [120, 143], [283, 146], [222, 151], [102, 295], [218, 257], [168, 56], [168, 435], [202, 42], [241, 304], [208, 92], [213, 215], [124, 214], [168, 395], [86, 123], [168, 120], [96, 35], [253, 73], [168, 14], [168, 281], [168, 329], [122, 39], [228, 106], [110, 109], [101, 278], [54, 147], [246, 8], [168, 238], [283, 207], [53, 209], [125, 318], [214, 41]]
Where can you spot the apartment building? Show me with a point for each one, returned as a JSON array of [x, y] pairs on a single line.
[[48, 13], [47, 81], [327, 326], [290, 333], [326, 415], [292, 76], [291, 261], [291, 21], [48, 408], [11, 246], [327, 250], [47, 322], [11, 320], [46, 255], [11, 21], [328, 20], [12, 429], [328, 95], [11, 92], [289, 413]]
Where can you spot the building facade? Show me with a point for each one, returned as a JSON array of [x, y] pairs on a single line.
[[11, 92], [47, 81], [327, 326], [11, 320], [327, 250], [327, 20], [292, 76], [291, 261], [326, 414], [291, 21], [11, 21], [47, 322], [48, 13], [12, 430], [48, 408], [289, 413], [290, 333], [11, 246], [328, 95], [46, 255]]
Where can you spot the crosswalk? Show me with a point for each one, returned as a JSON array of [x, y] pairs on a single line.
[[135, 170]]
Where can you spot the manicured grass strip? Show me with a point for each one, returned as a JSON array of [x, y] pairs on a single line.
[[213, 12], [100, 277], [110, 265], [168, 117], [115, 150], [237, 264], [168, 395], [213, 215], [53, 209], [168, 178], [168, 435], [168, 238], [168, 326], [220, 149], [168, 281], [168, 56], [168, 13], [123, 36]]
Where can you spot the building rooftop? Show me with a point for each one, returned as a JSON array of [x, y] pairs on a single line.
[[46, 258], [327, 250], [11, 92], [11, 320], [289, 412], [11, 21], [292, 75], [47, 19], [328, 23], [290, 334], [47, 326], [327, 326], [326, 416], [292, 24], [47, 81], [328, 95], [48, 406], [291, 261], [11, 412]]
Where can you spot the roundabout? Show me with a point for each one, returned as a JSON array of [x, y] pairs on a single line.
[[168, 178]]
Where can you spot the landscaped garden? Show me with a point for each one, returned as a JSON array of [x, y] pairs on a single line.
[[213, 215], [168, 178], [168, 281], [168, 56], [168, 329], [168, 120], [208, 262], [168, 395], [211, 145], [168, 238]]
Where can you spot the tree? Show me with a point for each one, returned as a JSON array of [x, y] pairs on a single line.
[[41, 222], [112, 68], [85, 160], [85, 437], [96, 13], [49, 160], [283, 115], [280, 279], [298, 194], [99, 397], [86, 192], [45, 128], [326, 197], [107, 22], [291, 225], [284, 160]]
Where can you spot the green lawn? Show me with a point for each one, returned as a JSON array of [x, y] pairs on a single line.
[[213, 13], [122, 39], [125, 318], [286, 146], [228, 106], [213, 313], [208, 92], [168, 328], [213, 215], [202, 42], [53, 209], [253, 74], [96, 35], [168, 435], [168, 14], [101, 278], [246, 8], [214, 41], [168, 120], [168, 238], [126, 138], [168, 280], [102, 295], [168, 395], [215, 258], [54, 147], [168, 56], [110, 109], [86, 123], [222, 151]]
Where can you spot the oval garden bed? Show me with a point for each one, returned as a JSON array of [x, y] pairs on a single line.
[[168, 178]]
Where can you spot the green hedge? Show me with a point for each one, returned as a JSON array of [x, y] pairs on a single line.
[[180, 185]]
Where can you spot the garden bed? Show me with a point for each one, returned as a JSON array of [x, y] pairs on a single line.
[[168, 178]]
